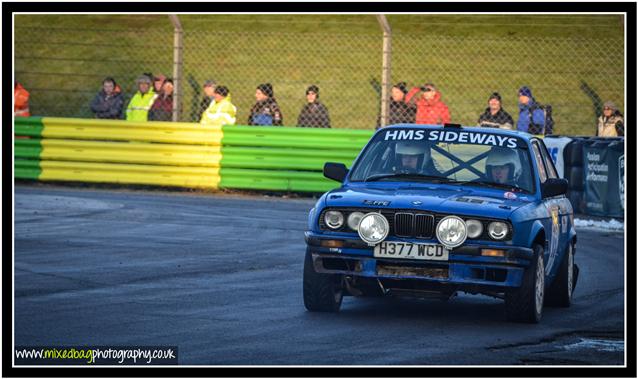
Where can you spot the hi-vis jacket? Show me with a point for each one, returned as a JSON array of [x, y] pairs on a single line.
[[139, 106], [220, 113]]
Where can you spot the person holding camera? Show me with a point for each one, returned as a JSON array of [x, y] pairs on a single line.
[[430, 110]]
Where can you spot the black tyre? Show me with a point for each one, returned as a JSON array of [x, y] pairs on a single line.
[[321, 292], [560, 292], [525, 304]]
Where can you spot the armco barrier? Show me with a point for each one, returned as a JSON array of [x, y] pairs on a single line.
[[181, 154]]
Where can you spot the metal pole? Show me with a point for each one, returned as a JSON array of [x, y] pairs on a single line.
[[177, 66], [385, 69]]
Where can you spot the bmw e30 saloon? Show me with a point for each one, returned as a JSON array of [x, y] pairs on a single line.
[[430, 211]]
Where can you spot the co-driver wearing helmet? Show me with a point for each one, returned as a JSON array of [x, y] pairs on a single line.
[[414, 157], [503, 166]]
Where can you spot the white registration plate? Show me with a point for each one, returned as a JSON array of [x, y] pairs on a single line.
[[405, 250]]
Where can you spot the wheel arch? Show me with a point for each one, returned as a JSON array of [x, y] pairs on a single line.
[[537, 235]]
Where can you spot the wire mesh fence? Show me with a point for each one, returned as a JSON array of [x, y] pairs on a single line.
[[63, 70]]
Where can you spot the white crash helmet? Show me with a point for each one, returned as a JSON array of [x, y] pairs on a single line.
[[500, 156], [413, 148]]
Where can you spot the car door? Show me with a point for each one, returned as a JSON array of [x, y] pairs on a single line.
[[566, 212], [555, 224], [552, 222]]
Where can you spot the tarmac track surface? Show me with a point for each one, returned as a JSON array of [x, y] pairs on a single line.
[[220, 277]]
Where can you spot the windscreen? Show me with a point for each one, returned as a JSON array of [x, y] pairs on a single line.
[[451, 156]]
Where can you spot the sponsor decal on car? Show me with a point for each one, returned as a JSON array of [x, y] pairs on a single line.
[[451, 136]]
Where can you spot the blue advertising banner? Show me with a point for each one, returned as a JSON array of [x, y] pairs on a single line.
[[603, 171]]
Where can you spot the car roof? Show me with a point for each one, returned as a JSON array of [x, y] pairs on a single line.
[[496, 131]]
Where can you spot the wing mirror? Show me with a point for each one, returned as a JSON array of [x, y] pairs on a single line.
[[554, 187], [335, 171]]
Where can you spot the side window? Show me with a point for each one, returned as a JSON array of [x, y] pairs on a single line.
[[539, 162], [549, 164]]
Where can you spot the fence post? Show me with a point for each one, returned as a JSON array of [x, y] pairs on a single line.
[[386, 68], [177, 66]]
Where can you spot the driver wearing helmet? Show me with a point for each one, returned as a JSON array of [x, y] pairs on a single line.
[[414, 157], [503, 166]]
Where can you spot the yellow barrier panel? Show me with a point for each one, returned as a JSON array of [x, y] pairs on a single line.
[[131, 152], [195, 177], [119, 130]]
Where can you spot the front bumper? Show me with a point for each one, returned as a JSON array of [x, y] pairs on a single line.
[[465, 266]]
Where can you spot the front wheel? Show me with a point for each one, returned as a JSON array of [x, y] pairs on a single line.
[[321, 292], [525, 304]]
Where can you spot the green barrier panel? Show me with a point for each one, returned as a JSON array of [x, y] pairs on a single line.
[[295, 137], [310, 164], [288, 152], [27, 148], [27, 169], [325, 143], [284, 159], [34, 120], [28, 130], [294, 131], [275, 180]]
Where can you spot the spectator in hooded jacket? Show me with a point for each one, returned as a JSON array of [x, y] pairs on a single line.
[[400, 111], [430, 109], [266, 111], [21, 101], [109, 102], [162, 108], [531, 118], [142, 101], [494, 115], [610, 123], [221, 110], [314, 114], [209, 92]]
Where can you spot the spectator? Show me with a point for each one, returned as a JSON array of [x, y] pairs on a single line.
[[209, 90], [221, 111], [429, 107], [158, 82], [266, 110], [400, 111], [610, 123], [108, 103], [142, 101], [494, 115], [162, 108], [531, 117], [21, 101], [314, 114]]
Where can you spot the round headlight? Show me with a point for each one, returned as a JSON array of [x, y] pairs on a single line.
[[373, 228], [497, 230], [353, 220], [451, 231], [474, 228], [334, 219]]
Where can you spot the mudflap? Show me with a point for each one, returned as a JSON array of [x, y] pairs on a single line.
[[576, 271]]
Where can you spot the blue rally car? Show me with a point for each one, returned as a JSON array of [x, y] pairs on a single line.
[[429, 211]]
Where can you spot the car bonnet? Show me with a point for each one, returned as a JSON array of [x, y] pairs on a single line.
[[478, 202]]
